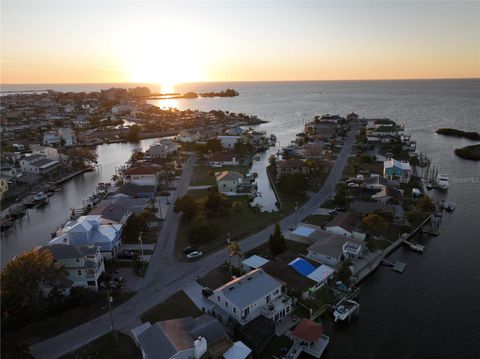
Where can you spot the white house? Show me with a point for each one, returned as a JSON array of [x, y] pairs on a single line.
[[48, 152], [84, 264], [162, 149], [229, 141], [228, 181], [51, 138], [186, 136], [220, 159], [253, 294], [67, 135], [182, 338], [142, 176], [346, 224], [38, 164], [88, 230]]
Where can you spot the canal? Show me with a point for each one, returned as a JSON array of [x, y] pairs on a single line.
[[35, 228]]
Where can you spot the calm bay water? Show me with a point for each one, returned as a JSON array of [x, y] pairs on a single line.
[[432, 310]]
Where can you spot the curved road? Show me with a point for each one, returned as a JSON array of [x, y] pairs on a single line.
[[166, 275]]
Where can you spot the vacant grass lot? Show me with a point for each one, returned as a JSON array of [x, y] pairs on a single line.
[[215, 278], [108, 347], [275, 345], [179, 305], [318, 219]]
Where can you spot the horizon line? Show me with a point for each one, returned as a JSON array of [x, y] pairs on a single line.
[[240, 81]]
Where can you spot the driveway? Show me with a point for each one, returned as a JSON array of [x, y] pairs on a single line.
[[194, 292], [166, 275]]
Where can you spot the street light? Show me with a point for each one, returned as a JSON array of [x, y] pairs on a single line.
[[110, 301], [141, 244]]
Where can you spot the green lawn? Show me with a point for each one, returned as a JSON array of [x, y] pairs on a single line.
[[201, 176], [215, 278], [107, 346], [49, 327], [264, 251], [179, 305]]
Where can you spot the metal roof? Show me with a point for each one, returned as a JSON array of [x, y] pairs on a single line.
[[255, 261]]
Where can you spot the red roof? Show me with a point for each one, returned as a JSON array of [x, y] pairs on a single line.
[[143, 170], [308, 330]]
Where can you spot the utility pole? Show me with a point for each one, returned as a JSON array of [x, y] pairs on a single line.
[[296, 214], [141, 244]]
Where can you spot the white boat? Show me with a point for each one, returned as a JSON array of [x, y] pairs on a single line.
[[442, 181], [346, 309], [40, 196]]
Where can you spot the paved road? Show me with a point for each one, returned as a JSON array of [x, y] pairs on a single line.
[[166, 275]]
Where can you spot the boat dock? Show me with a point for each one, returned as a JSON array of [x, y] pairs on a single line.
[[420, 248], [397, 266]]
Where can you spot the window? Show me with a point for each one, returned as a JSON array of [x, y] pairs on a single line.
[[79, 272], [234, 310], [226, 304], [77, 260], [91, 283], [218, 298], [276, 292]]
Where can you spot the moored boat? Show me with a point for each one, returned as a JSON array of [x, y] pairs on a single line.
[[442, 181]]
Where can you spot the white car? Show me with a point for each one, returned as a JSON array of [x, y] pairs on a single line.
[[195, 254], [353, 185]]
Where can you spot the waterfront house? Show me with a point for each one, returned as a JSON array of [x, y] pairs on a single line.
[[249, 296], [228, 181], [186, 136], [142, 175], [88, 230], [400, 170], [195, 338], [220, 159], [389, 194], [289, 166], [117, 210], [162, 150], [229, 141], [38, 164], [134, 191], [84, 264], [68, 136], [365, 208], [352, 117], [298, 276], [347, 225], [235, 131], [51, 138], [50, 153]]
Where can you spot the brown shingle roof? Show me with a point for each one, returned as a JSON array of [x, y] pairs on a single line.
[[347, 221]]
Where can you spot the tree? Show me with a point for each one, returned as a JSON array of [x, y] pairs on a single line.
[[272, 160], [79, 156], [24, 277], [216, 204], [387, 216], [344, 273], [425, 204], [375, 224], [414, 217], [202, 230], [237, 206], [276, 242], [293, 183], [187, 205], [136, 223]]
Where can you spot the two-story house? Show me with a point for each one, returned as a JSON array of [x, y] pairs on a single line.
[[84, 264], [394, 169], [142, 175], [228, 181], [38, 164], [253, 294], [89, 230]]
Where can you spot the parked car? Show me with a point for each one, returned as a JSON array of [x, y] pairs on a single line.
[[125, 255], [188, 250], [332, 212], [207, 292], [195, 254]]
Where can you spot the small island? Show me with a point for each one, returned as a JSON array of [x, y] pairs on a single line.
[[469, 152], [474, 136], [191, 94]]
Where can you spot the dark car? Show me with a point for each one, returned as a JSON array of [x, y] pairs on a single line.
[[207, 292], [125, 255], [188, 250]]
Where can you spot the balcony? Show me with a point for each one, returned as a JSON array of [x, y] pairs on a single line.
[[277, 305]]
